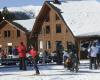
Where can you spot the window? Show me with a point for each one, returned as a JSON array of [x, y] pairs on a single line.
[[46, 18], [58, 28], [18, 33], [41, 44], [40, 32], [66, 30], [48, 44], [47, 29], [57, 18], [58, 44], [7, 33], [43, 30]]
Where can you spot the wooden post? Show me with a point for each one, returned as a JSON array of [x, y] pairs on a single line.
[[78, 47]]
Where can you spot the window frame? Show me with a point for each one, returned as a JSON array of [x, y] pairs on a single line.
[[7, 33], [48, 44]]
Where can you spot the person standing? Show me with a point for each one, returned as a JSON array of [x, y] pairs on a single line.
[[98, 54], [35, 59], [14, 51], [65, 57], [45, 54], [22, 56], [93, 54]]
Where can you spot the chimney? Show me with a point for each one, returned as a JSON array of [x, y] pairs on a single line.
[[56, 1]]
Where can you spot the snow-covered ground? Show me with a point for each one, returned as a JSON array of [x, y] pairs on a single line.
[[50, 72]]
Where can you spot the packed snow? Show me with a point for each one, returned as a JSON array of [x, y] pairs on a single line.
[[50, 72], [82, 16]]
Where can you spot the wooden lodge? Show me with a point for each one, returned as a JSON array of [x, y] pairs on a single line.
[[65, 23], [11, 34], [50, 30]]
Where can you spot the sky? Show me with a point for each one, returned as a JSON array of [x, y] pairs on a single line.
[[15, 3], [11, 3]]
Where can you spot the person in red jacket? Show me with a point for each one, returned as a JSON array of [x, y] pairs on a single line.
[[22, 56], [33, 52]]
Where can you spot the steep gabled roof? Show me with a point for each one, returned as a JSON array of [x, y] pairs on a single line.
[[39, 19], [82, 17], [3, 23], [19, 26], [28, 23], [14, 24]]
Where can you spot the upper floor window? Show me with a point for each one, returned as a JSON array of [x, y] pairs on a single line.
[[7, 33], [18, 33], [57, 18], [46, 18], [66, 30], [58, 28], [47, 29], [40, 32]]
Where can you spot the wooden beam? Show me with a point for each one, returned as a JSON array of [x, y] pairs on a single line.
[[77, 42]]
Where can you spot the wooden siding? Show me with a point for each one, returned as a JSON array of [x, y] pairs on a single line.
[[13, 36], [65, 35]]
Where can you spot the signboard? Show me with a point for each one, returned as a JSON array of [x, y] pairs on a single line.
[[9, 44], [0, 46]]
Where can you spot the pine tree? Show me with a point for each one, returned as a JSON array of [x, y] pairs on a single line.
[[8, 15], [1, 17], [5, 12]]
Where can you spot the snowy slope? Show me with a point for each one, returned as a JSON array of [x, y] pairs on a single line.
[[50, 72]]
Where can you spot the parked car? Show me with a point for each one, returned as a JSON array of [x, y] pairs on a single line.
[[9, 60]]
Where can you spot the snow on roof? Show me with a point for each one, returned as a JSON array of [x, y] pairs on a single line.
[[28, 24], [82, 17]]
